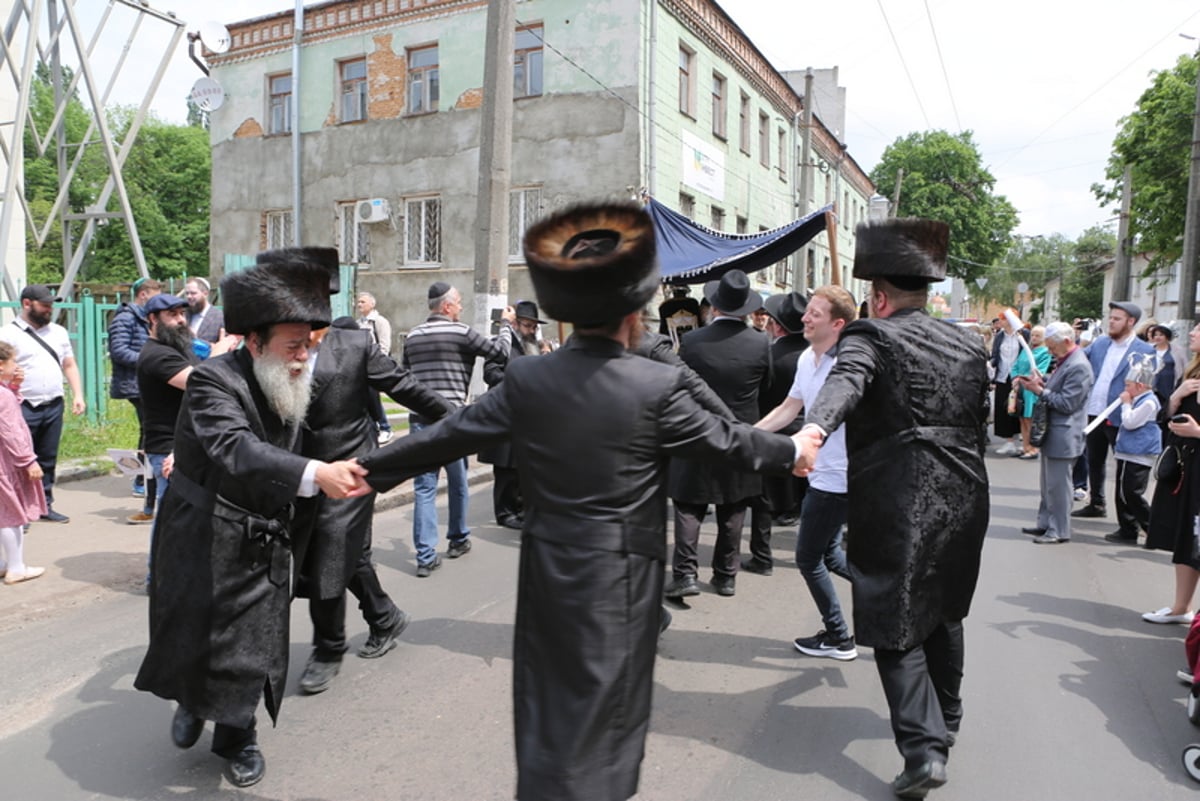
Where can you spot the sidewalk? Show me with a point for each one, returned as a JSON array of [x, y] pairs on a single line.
[[99, 553]]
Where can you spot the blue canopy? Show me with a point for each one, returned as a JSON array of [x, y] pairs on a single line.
[[692, 254]]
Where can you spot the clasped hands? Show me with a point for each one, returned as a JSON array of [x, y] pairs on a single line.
[[808, 441], [342, 479]]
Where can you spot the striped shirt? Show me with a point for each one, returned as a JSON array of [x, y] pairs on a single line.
[[441, 354]]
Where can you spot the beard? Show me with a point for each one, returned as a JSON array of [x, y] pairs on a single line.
[[287, 396], [530, 345], [39, 319], [178, 337]]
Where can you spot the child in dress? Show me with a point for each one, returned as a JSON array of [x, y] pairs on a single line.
[[1139, 441], [21, 496]]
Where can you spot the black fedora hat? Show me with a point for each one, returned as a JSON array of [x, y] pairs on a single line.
[[732, 294], [787, 309], [528, 310]]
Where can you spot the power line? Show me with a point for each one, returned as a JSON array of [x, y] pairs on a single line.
[[938, 46], [904, 64]]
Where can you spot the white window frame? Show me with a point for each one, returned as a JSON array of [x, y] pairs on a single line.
[[687, 80], [524, 209], [353, 238], [764, 140], [529, 60], [424, 85], [720, 102], [352, 92], [426, 249], [279, 113], [277, 225]]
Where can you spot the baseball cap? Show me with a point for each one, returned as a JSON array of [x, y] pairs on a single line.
[[38, 292], [162, 302]]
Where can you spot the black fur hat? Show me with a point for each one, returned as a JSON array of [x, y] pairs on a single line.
[[910, 249], [291, 285], [593, 263]]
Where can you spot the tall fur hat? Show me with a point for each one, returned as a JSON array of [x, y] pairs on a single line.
[[910, 249], [290, 285], [593, 263]]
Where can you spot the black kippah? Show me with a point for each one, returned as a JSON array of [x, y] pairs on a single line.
[[437, 289]]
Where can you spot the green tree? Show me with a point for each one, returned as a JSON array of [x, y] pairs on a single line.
[[1155, 141], [1082, 290], [1029, 260], [944, 179]]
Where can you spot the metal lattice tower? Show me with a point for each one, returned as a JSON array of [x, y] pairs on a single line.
[[47, 35]]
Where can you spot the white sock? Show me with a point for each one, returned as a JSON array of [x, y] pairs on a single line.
[[11, 541]]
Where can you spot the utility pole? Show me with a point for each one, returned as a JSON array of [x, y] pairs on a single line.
[[895, 207], [495, 158], [1124, 266], [800, 269], [1191, 228]]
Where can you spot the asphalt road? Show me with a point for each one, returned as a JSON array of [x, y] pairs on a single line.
[[1068, 694]]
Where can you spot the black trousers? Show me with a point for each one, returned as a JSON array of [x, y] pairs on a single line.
[[151, 483], [760, 530], [1133, 511], [506, 493], [922, 688], [228, 740], [1099, 441], [328, 615], [45, 428], [730, 519]]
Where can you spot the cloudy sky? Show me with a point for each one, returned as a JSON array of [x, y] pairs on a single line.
[[1042, 84]]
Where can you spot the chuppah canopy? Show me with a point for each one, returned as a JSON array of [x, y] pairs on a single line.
[[692, 254]]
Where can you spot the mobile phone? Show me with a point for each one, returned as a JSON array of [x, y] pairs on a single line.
[[1179, 418]]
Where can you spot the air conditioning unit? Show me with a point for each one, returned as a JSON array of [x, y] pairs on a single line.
[[374, 210]]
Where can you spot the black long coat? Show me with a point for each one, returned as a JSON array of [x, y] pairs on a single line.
[[912, 392], [330, 533], [500, 454], [735, 361], [783, 493], [218, 596], [592, 427]]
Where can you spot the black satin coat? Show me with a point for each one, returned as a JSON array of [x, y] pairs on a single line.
[[330, 533], [592, 427], [912, 392], [221, 559]]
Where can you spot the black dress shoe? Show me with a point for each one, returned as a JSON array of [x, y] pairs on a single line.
[[1121, 538], [755, 566], [246, 767], [185, 728], [318, 675], [1090, 511], [379, 643], [724, 585], [1034, 530], [511, 522], [664, 622], [681, 587], [917, 782]]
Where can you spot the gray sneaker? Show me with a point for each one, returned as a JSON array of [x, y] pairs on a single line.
[[822, 645]]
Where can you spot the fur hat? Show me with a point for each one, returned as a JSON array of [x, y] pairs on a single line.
[[291, 285], [593, 263], [910, 249]]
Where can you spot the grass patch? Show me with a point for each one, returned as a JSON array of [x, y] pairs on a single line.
[[83, 440]]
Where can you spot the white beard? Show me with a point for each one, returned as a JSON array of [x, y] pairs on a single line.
[[287, 396]]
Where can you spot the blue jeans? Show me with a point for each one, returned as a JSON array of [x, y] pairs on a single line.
[[425, 516], [819, 552], [160, 488]]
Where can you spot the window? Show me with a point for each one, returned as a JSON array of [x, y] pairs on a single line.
[[744, 124], [423, 80], [524, 209], [527, 62], [742, 224], [279, 113], [687, 205], [718, 105], [783, 159], [687, 87], [278, 225], [423, 231], [353, 237], [764, 140], [782, 273], [718, 218], [354, 90]]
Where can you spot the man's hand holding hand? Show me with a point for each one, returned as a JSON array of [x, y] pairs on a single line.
[[342, 479], [808, 441]]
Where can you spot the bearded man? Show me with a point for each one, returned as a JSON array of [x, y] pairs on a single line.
[[221, 558]]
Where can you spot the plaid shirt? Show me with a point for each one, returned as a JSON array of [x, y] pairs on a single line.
[[441, 354]]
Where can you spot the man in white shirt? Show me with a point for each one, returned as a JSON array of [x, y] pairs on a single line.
[[370, 319], [819, 550], [45, 356]]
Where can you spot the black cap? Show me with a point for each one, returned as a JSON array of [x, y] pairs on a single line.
[[437, 289], [39, 292]]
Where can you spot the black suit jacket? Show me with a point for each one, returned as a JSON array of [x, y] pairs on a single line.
[[735, 361], [785, 352]]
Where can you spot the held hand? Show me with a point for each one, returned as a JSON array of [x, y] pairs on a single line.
[[341, 479], [78, 406], [225, 343], [34, 471], [809, 441], [1189, 429]]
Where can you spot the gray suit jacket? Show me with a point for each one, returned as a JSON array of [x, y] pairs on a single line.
[[1067, 392]]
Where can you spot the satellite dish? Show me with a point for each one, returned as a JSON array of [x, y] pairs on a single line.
[[207, 94], [215, 36]]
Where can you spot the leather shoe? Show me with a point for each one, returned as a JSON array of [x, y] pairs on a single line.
[[511, 522], [724, 585], [1049, 539], [1121, 538], [380, 643], [246, 767], [917, 782], [1034, 530], [664, 622], [185, 728], [681, 587], [1090, 511], [755, 566], [318, 675]]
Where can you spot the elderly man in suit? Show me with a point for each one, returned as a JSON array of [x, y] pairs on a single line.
[[591, 426], [1065, 392], [735, 361]]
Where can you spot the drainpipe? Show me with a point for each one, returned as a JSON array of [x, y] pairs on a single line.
[[651, 161], [297, 35]]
